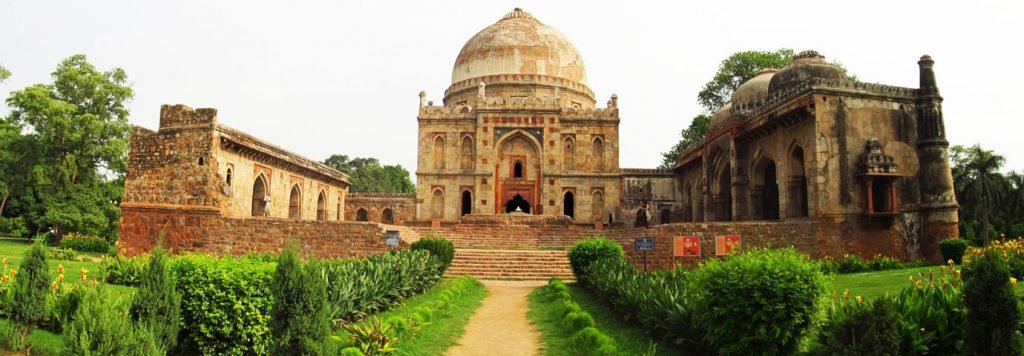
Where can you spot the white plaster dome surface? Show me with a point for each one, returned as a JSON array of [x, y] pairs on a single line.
[[519, 44]]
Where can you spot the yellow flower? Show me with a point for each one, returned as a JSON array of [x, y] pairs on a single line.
[[83, 273], [60, 278], [911, 279], [860, 299], [950, 262], [53, 287], [13, 272], [918, 283], [846, 294], [1013, 281], [60, 268]]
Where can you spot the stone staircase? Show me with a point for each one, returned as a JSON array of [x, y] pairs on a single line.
[[510, 264], [509, 237]]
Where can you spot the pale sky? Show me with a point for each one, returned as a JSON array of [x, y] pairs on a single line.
[[328, 77]]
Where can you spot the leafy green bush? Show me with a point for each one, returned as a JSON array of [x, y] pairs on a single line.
[[993, 315], [299, 317], [761, 300], [63, 254], [31, 286], [371, 337], [357, 288], [954, 249], [352, 351], [62, 303], [102, 327], [578, 320], [84, 243], [932, 314], [859, 328], [592, 341], [443, 249], [13, 227], [125, 271], [157, 303], [11, 337], [592, 249], [225, 304]]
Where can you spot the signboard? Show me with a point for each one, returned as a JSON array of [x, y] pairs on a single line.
[[726, 244], [645, 243], [392, 238], [686, 246]]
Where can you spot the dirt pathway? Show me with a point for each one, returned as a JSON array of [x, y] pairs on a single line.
[[500, 326]]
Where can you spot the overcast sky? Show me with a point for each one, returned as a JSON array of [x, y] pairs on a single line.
[[328, 77]]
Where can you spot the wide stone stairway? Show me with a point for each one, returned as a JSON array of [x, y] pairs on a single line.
[[511, 264]]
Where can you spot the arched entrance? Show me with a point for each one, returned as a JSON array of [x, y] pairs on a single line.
[[517, 204], [260, 199], [321, 207], [295, 203], [361, 215], [797, 183], [765, 192], [387, 216], [569, 205], [467, 203]]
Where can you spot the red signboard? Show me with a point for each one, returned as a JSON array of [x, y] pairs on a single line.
[[686, 246], [726, 244]]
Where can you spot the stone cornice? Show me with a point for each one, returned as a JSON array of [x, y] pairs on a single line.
[[261, 151]]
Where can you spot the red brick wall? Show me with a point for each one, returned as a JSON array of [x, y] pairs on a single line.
[[204, 230]]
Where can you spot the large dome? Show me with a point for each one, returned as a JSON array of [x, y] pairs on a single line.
[[519, 44]]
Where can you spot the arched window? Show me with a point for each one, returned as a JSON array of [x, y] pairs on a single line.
[[260, 199], [361, 215], [227, 179], [797, 183], [468, 159], [569, 205], [439, 153], [437, 205], [598, 154], [765, 190], [321, 207], [569, 154], [517, 170], [295, 203], [202, 161], [387, 216]]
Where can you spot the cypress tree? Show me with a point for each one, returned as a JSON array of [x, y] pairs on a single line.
[[298, 321], [992, 312], [157, 303], [31, 285]]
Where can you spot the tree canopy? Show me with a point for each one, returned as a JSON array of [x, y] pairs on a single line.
[[991, 202], [367, 175], [67, 143]]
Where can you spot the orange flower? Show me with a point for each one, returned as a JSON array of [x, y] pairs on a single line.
[[83, 273], [60, 278], [60, 268], [53, 287], [13, 272]]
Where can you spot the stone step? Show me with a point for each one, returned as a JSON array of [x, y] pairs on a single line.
[[506, 263]]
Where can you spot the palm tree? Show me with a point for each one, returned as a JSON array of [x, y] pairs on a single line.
[[1014, 201], [980, 182]]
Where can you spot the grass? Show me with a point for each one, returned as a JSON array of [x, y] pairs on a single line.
[[872, 285], [629, 338], [447, 325], [42, 342], [14, 251]]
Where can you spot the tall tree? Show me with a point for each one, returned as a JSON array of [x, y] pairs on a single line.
[[367, 175], [980, 185], [692, 134], [1014, 202], [78, 126]]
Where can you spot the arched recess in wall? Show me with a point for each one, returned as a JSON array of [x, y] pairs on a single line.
[[227, 178], [321, 207], [337, 210], [439, 153], [387, 216], [598, 154], [362, 215], [721, 193], [797, 183], [569, 154], [687, 202], [517, 169], [468, 158], [295, 203], [260, 198], [764, 191], [666, 216], [698, 199], [569, 204], [437, 205], [597, 206], [467, 202]]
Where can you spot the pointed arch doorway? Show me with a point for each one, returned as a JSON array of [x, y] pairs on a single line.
[[569, 205], [517, 204]]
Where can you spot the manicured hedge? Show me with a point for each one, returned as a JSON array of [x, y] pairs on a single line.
[[85, 243], [592, 249], [443, 249], [587, 338], [954, 249], [759, 300]]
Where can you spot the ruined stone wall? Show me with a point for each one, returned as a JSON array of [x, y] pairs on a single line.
[[401, 206], [658, 187], [204, 230]]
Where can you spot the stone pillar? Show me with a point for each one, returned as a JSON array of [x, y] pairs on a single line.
[[938, 199]]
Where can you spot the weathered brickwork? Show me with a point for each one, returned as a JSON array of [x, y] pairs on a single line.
[[385, 208]]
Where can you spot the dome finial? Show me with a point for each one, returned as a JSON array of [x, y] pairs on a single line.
[[517, 13]]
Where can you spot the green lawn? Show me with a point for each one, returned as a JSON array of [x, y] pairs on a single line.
[[629, 338], [444, 328], [14, 251], [876, 284]]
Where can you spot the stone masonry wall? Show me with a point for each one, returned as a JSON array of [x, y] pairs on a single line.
[[402, 206], [204, 230]]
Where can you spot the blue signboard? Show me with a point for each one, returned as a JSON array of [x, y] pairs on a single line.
[[645, 243]]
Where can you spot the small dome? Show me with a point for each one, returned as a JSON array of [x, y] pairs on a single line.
[[720, 118], [754, 89], [519, 44], [805, 65]]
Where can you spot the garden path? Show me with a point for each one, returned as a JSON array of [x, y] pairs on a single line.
[[500, 326]]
